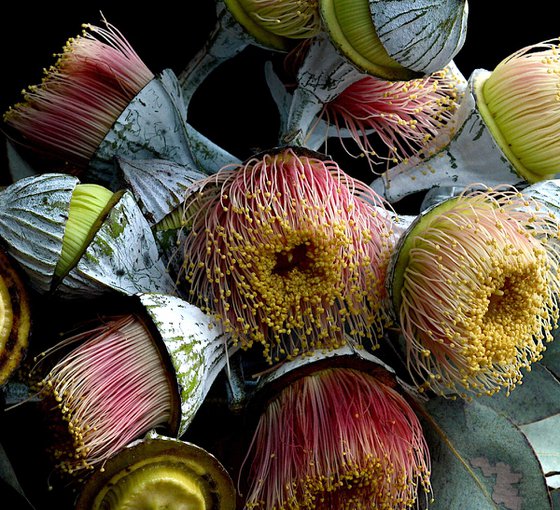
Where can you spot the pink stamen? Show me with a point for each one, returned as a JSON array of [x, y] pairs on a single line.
[[110, 389], [339, 438], [70, 112], [401, 116], [480, 293], [288, 251]]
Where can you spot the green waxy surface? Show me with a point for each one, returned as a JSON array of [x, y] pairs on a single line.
[[338, 28]]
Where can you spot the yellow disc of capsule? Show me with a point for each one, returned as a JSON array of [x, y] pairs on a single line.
[[15, 318], [6, 313]]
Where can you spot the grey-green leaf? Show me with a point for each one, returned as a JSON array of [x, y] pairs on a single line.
[[555, 499], [19, 168], [545, 439], [551, 357], [537, 398], [481, 460]]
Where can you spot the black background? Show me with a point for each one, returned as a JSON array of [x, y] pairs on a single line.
[[233, 107]]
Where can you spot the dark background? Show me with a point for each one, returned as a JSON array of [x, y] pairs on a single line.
[[233, 107]]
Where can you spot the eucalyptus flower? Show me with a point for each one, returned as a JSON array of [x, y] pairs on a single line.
[[338, 438], [390, 121], [99, 101], [520, 102], [111, 389], [503, 131], [69, 113], [288, 251], [123, 375], [475, 290]]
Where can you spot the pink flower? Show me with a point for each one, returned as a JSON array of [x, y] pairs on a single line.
[[108, 390], [288, 251], [81, 95], [393, 120], [338, 438], [477, 291], [520, 102]]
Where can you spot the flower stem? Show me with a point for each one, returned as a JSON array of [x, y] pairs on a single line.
[[323, 75], [226, 40]]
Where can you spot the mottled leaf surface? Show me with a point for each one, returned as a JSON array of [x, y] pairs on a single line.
[[537, 398], [481, 460]]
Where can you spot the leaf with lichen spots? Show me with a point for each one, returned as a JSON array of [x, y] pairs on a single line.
[[122, 257], [480, 457], [535, 407]]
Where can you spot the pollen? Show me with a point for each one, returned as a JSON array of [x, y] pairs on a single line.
[[290, 262], [80, 97], [109, 389], [403, 116], [356, 445], [475, 319]]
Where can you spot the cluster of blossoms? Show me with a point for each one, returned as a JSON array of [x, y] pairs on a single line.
[[285, 252]]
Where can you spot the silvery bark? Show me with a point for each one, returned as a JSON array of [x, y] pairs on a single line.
[[209, 157], [153, 125], [323, 75], [464, 153], [421, 35], [197, 347], [33, 215], [159, 186], [122, 257]]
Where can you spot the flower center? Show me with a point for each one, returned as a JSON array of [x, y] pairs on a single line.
[[510, 315], [294, 258], [479, 297], [291, 279], [289, 253]]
